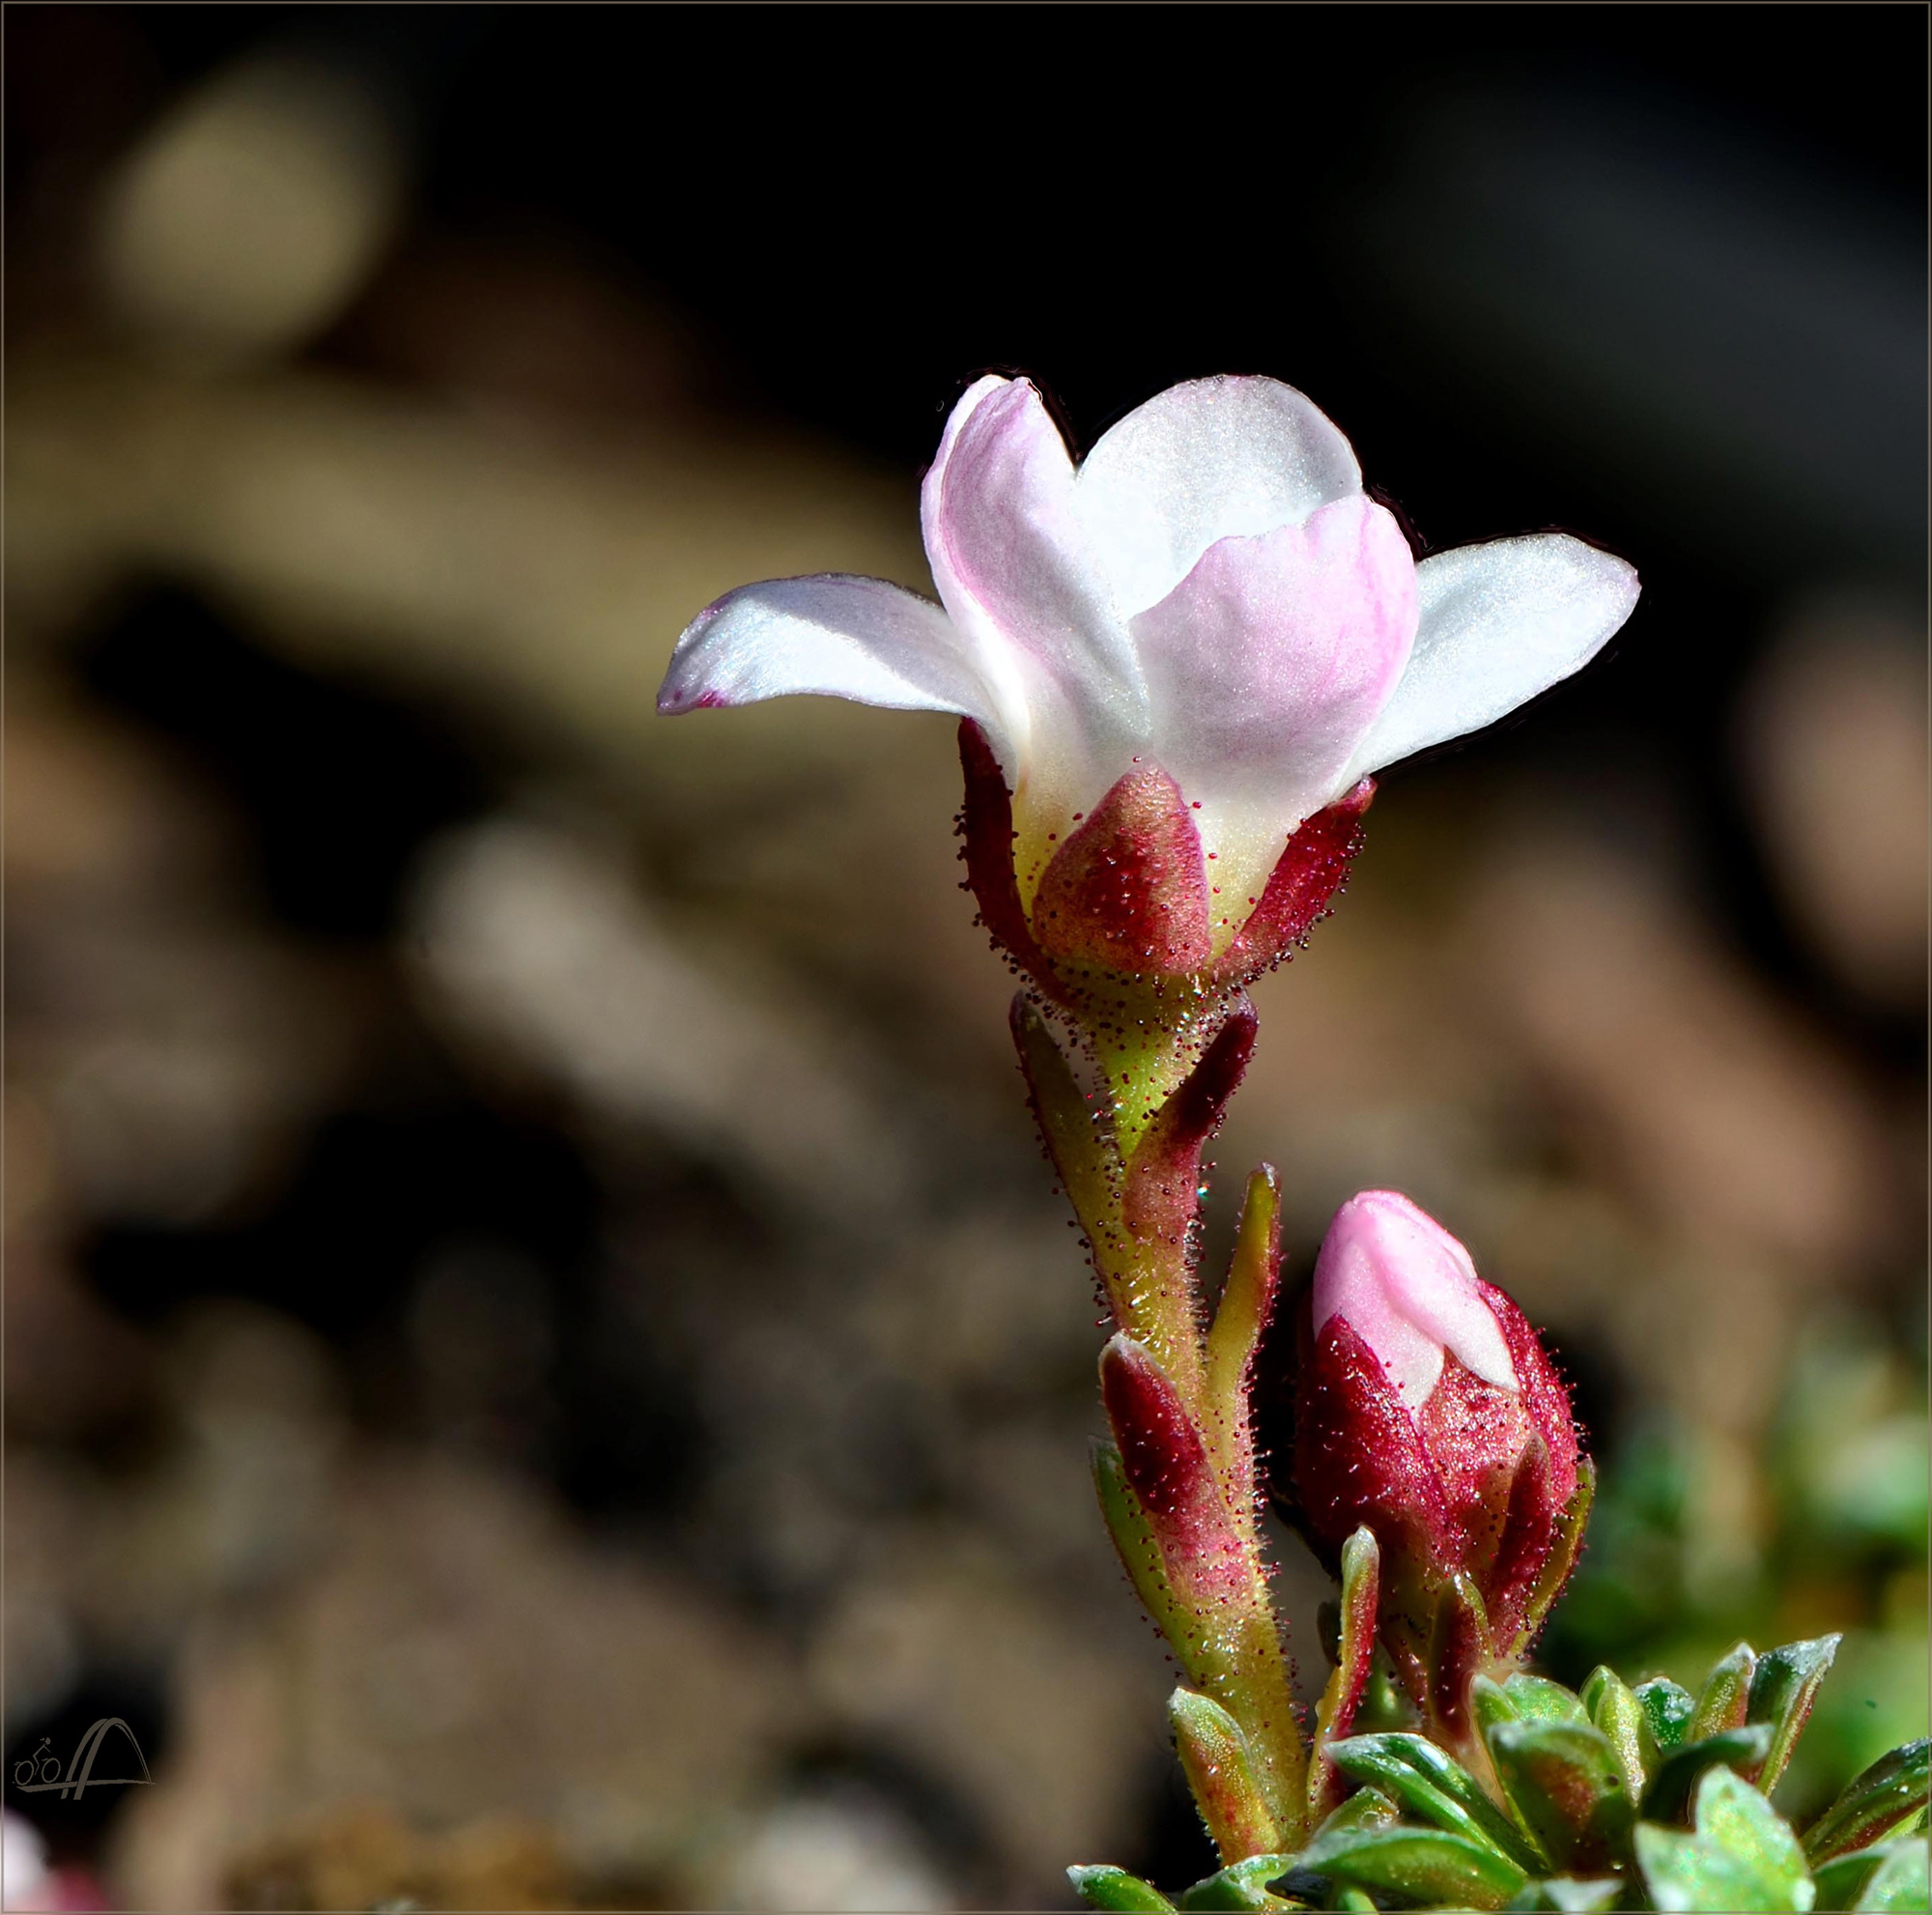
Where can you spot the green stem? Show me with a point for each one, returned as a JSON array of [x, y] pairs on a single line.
[[1147, 1044]]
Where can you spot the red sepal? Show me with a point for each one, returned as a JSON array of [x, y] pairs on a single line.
[[1301, 887], [1129, 890], [1545, 1480], [1167, 1468], [1358, 1456], [1161, 1196], [987, 825]]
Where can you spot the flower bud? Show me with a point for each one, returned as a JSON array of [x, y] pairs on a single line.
[[1425, 1408]]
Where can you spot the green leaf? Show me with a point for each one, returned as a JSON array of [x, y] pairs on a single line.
[[1743, 1856], [1491, 1703], [1139, 1548], [1220, 1770], [1851, 1881], [1783, 1689], [1842, 1879], [1354, 1660], [1354, 1899], [1536, 1699], [1726, 1694], [1242, 1884], [1668, 1797], [1668, 1707], [1101, 1885], [1422, 1865], [1565, 1892], [1738, 1817], [1885, 1795], [1433, 1787], [1620, 1716], [1901, 1880], [1563, 1781], [1247, 1298], [1367, 1807], [1079, 1142]]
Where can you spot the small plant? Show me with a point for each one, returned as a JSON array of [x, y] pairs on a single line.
[[1177, 666]]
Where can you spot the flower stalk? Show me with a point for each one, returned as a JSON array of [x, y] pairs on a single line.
[[1180, 1484], [1178, 666]]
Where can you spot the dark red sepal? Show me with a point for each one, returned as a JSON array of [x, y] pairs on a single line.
[[1475, 1434], [1357, 1455], [1530, 1533], [1545, 1480], [1301, 887], [987, 825], [1129, 890], [1167, 1468], [1160, 1199]]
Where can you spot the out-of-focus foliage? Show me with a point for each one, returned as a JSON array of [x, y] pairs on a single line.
[[1843, 1544]]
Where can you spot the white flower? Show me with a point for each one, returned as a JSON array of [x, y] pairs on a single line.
[[1210, 592]]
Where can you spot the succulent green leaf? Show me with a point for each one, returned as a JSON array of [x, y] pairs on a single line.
[[1354, 1661], [1563, 1781], [1421, 1865], [1668, 1707], [1726, 1694], [1783, 1689], [1842, 1879], [1246, 1301], [1737, 1816], [1077, 1138], [1885, 1872], [1354, 1899], [1743, 1856], [1367, 1807], [1536, 1699], [1221, 1772], [1137, 1546], [1683, 1873], [1241, 1884], [1901, 1880], [1491, 1703], [1433, 1787], [1620, 1716], [1669, 1795], [1874, 1803], [1100, 1885], [1565, 1892]]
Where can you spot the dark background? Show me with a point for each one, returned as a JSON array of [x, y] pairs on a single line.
[[1655, 274]]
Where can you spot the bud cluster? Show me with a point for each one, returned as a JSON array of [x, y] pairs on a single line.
[[1424, 1408]]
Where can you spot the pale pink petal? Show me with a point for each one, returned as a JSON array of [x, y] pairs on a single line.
[[1499, 623], [1408, 1289], [1012, 560], [1266, 665], [845, 637], [1211, 459], [1015, 570]]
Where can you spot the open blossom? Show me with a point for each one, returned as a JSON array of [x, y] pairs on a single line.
[[1426, 1408], [1205, 633]]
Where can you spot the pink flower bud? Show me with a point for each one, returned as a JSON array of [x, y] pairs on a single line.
[[1426, 1409]]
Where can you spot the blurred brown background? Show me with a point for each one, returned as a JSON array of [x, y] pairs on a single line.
[[543, 1367]]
